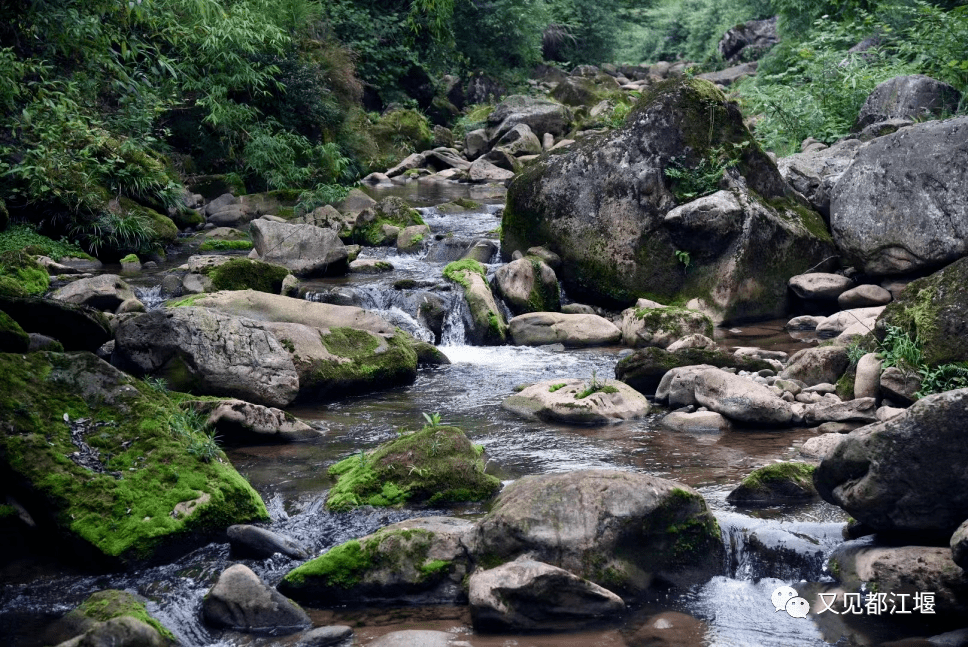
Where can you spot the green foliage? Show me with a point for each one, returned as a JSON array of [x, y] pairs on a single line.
[[689, 183], [682, 257], [500, 35], [433, 419], [556, 387], [191, 427], [855, 350], [25, 236], [318, 196], [899, 349], [594, 386], [945, 377], [21, 275], [213, 245], [287, 160], [403, 131]]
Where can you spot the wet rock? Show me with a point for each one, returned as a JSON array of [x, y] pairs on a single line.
[[414, 638], [862, 410], [696, 340], [549, 257], [699, 422], [528, 595], [413, 238], [559, 401], [305, 250], [820, 286], [574, 331], [900, 386], [623, 529], [208, 352], [864, 296], [959, 546], [418, 561], [370, 266], [821, 446], [645, 368], [242, 602], [482, 170], [238, 422], [740, 399], [253, 541], [817, 365], [885, 211], [528, 285], [86, 623], [662, 326], [867, 381], [677, 388], [481, 250], [483, 319], [670, 629], [105, 292], [874, 473], [123, 631], [861, 564], [775, 484], [914, 96]]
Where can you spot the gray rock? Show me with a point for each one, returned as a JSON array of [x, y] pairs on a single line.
[[899, 386], [520, 141], [104, 292], [549, 257], [860, 318], [196, 284], [356, 201], [410, 162], [692, 341], [959, 546], [867, 382], [440, 159], [413, 238], [482, 170], [481, 250], [224, 200], [370, 266], [233, 215], [239, 422], [645, 368], [242, 602], [898, 208], [748, 40], [820, 286], [875, 476], [579, 309], [670, 629], [817, 365], [864, 296], [729, 75], [528, 285], [677, 387], [815, 174], [557, 400], [572, 330], [208, 352], [305, 249], [662, 326], [540, 115], [123, 631], [775, 484], [881, 128], [822, 445], [698, 422], [252, 541], [475, 144], [908, 97], [327, 217], [527, 595], [324, 636], [484, 321], [886, 413], [862, 410], [75, 327], [625, 529], [804, 322], [740, 399]]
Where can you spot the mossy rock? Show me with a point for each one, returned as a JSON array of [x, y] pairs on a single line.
[[776, 484], [185, 218], [13, 339], [133, 490], [247, 274], [103, 606], [485, 321], [460, 205], [163, 230], [643, 369], [402, 130], [435, 465], [225, 245], [933, 310], [392, 211], [21, 275]]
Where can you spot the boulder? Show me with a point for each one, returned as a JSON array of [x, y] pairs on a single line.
[[253, 541], [820, 286], [662, 326], [370, 266], [527, 595], [484, 321], [551, 259], [208, 352], [699, 422], [576, 91], [899, 386], [864, 296], [624, 529], [247, 274], [677, 388], [306, 250], [528, 285], [418, 561], [820, 446], [899, 207], [238, 422], [520, 141], [644, 369], [123, 631], [540, 115], [88, 623], [824, 364], [740, 399], [804, 322], [356, 201], [868, 378], [576, 331], [327, 217], [934, 310], [54, 404], [75, 327], [862, 565], [13, 339], [729, 75], [775, 484], [959, 546], [603, 206], [914, 96], [859, 318], [241, 601], [696, 340], [814, 174], [475, 144], [749, 40], [103, 292], [480, 250], [862, 410], [482, 170], [412, 239], [903, 474], [580, 402]]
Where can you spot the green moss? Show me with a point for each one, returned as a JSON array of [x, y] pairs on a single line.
[[186, 301], [671, 319], [247, 274], [130, 258], [555, 387], [25, 237], [434, 464], [341, 566], [186, 218], [105, 605], [454, 271], [21, 275], [799, 473], [435, 566], [375, 362], [162, 229], [390, 211], [13, 339], [125, 512], [225, 245], [403, 130], [544, 297], [845, 385]]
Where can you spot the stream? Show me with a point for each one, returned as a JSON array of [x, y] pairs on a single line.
[[766, 548]]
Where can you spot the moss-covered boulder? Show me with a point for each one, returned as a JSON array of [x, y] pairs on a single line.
[[662, 326], [622, 530], [423, 560], [161, 229], [578, 402], [528, 285], [933, 310], [99, 608], [247, 274], [484, 321], [434, 465], [776, 484], [373, 226], [643, 369], [13, 339], [103, 462], [21, 275], [623, 211]]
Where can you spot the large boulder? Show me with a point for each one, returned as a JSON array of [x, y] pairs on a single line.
[[900, 208], [820, 285], [904, 474], [817, 365], [644, 369], [520, 140], [662, 326], [572, 330], [934, 310], [421, 560], [959, 546], [527, 595], [90, 619], [778, 483], [606, 207], [914, 96], [579, 402], [241, 601], [71, 425], [306, 250], [741, 399], [104, 292], [238, 422], [748, 41], [528, 285], [483, 319], [622, 530], [540, 115], [208, 352], [75, 327], [815, 173], [381, 224]]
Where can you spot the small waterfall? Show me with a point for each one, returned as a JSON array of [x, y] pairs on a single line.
[[390, 304], [150, 296], [455, 329]]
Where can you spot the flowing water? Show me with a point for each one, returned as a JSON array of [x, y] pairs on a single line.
[[771, 548]]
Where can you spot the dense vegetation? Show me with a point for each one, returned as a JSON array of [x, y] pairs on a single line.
[[106, 107]]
